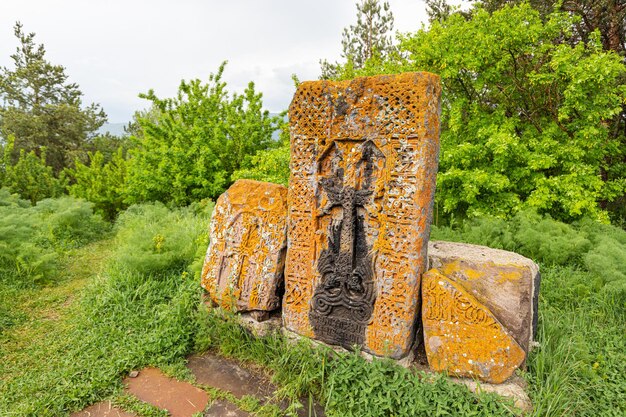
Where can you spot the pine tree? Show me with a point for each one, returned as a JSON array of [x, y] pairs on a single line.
[[369, 38], [40, 108]]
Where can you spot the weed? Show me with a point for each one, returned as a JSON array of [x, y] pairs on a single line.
[[33, 238], [145, 310]]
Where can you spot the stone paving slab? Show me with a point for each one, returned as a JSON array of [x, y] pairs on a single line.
[[180, 399], [228, 375], [102, 409], [222, 408]]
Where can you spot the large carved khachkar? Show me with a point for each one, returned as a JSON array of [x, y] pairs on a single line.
[[363, 164], [243, 269]]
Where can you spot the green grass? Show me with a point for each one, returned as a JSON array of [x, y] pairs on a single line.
[[133, 300], [579, 368], [124, 319], [346, 384]]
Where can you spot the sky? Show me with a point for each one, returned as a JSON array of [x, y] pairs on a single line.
[[117, 49]]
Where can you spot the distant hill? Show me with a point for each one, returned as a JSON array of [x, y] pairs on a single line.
[[115, 129]]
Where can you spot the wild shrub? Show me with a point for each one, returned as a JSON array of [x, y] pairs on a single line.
[[68, 223], [189, 145], [102, 182], [28, 175], [152, 239], [271, 165], [33, 237], [549, 241], [543, 239]]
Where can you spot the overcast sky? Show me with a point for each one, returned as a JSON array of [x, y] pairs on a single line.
[[117, 49]]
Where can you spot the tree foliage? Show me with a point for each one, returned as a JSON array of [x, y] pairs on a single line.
[[29, 176], [271, 165], [370, 38], [528, 118], [191, 145], [590, 18], [606, 16], [40, 108]]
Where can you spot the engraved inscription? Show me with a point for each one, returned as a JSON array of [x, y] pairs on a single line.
[[440, 306]]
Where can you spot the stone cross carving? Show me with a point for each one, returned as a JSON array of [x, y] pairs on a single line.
[[363, 164], [243, 268], [343, 302]]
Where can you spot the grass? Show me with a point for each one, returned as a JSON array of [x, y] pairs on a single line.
[[133, 300], [346, 384], [580, 366]]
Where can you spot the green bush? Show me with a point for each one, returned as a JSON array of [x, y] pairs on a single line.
[[543, 239], [33, 237], [188, 146], [68, 223], [270, 165], [152, 239], [101, 182], [29, 176]]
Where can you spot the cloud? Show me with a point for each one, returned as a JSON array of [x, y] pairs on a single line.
[[117, 49]]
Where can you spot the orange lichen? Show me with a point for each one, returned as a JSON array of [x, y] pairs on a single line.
[[244, 262], [502, 281], [461, 336], [506, 272], [396, 117]]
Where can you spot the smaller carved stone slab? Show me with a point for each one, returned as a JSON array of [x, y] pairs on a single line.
[[243, 268], [462, 337], [504, 282]]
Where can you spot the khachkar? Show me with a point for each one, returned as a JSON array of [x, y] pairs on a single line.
[[364, 159], [243, 269]]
